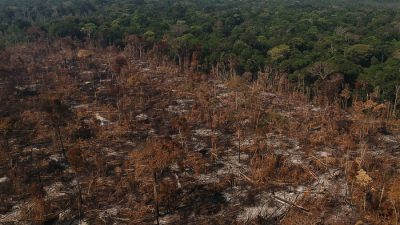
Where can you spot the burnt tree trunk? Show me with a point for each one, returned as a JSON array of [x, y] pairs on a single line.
[[156, 196]]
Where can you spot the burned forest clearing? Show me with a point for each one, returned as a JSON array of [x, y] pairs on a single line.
[[99, 136]]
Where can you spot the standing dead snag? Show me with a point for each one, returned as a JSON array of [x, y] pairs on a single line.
[[364, 181], [322, 69], [57, 113], [139, 43], [195, 58], [238, 132], [7, 127], [152, 159], [183, 129], [395, 101], [394, 197], [76, 158]]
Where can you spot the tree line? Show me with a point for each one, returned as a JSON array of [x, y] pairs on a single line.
[[357, 38]]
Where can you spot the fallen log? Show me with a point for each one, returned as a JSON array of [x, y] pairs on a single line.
[[290, 203]]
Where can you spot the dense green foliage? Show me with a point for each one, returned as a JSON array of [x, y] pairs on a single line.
[[360, 37]]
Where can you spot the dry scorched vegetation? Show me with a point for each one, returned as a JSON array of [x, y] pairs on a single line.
[[99, 136]]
